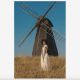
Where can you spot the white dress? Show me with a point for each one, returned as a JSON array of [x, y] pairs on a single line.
[[44, 59]]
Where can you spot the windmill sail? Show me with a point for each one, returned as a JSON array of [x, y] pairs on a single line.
[[27, 36]]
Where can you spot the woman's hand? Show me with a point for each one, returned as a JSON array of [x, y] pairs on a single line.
[[46, 48]]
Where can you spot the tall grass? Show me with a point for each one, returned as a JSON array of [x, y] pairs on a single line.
[[29, 67]]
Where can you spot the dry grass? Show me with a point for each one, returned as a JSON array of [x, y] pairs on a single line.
[[29, 67]]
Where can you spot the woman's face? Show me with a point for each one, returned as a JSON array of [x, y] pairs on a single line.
[[44, 43]]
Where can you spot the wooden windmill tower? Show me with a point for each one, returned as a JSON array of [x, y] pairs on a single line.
[[44, 31]]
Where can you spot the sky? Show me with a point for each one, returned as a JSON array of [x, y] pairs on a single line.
[[24, 22]]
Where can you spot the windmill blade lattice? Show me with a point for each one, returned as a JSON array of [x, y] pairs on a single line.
[[28, 10], [49, 9], [23, 40], [56, 33]]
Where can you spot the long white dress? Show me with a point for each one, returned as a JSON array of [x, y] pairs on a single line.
[[44, 59]]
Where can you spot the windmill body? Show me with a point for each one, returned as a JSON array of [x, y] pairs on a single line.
[[42, 34]]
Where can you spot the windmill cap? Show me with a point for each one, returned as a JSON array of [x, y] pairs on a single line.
[[50, 23]]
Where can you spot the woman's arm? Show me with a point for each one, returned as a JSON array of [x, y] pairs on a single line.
[[46, 48]]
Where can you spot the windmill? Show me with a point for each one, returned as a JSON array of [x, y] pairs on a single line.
[[44, 31]]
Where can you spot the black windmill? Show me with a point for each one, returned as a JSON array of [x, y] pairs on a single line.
[[44, 31]]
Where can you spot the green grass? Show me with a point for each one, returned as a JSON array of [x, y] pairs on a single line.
[[29, 67]]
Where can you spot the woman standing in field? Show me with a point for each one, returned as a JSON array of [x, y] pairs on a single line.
[[44, 56]]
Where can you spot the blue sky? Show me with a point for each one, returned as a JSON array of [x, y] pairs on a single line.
[[24, 22]]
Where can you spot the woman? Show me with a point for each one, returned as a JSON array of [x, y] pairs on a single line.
[[44, 57]]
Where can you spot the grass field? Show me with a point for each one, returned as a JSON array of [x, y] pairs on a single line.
[[29, 67]]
